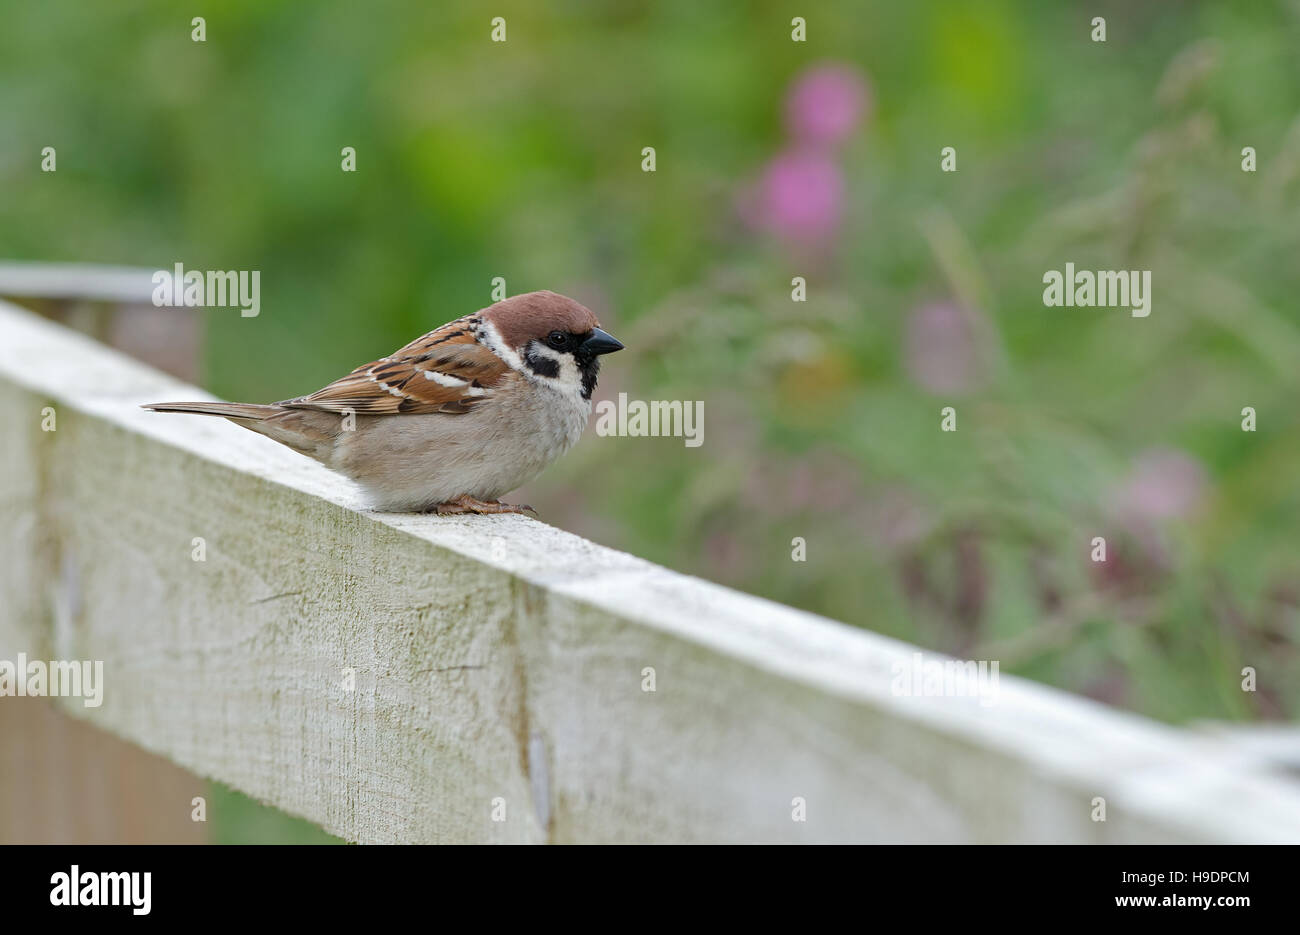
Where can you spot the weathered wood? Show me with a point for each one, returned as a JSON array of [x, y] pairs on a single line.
[[123, 284], [64, 782], [498, 658], [114, 305]]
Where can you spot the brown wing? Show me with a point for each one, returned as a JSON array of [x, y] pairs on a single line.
[[447, 371]]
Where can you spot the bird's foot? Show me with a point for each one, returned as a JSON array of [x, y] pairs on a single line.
[[467, 504]]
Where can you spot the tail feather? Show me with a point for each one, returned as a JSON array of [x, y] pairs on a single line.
[[228, 410], [304, 430]]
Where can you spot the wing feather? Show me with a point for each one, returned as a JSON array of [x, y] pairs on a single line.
[[446, 370]]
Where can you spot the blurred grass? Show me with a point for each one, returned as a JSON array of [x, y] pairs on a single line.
[[234, 818], [522, 160]]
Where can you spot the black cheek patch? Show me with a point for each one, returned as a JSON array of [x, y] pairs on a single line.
[[542, 366]]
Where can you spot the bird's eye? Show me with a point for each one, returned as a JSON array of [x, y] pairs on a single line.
[[557, 340]]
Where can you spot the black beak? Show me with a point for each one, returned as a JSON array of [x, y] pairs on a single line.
[[600, 343]]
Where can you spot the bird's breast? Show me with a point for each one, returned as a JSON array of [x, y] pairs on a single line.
[[412, 462]]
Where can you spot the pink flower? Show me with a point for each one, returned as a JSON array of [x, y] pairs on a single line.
[[798, 196], [941, 352], [1163, 484], [825, 104]]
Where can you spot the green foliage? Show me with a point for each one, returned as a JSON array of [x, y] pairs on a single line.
[[236, 819]]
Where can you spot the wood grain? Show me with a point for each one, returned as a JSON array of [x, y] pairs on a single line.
[[498, 662]]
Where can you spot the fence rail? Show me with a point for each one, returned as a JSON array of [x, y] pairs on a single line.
[[403, 678]]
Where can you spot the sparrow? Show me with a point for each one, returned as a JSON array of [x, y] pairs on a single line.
[[455, 419]]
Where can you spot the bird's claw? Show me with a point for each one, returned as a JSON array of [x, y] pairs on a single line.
[[462, 505]]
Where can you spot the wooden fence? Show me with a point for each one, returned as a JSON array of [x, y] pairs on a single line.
[[409, 678]]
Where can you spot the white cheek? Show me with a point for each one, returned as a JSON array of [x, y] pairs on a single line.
[[569, 377], [487, 333], [569, 373]]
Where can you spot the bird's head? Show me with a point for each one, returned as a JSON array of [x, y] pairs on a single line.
[[549, 337]]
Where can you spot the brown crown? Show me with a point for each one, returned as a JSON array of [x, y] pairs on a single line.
[[534, 315]]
